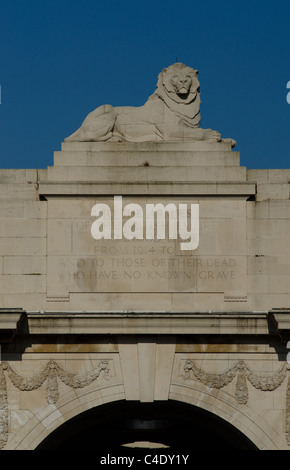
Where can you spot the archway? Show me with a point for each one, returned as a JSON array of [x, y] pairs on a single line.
[[168, 427]]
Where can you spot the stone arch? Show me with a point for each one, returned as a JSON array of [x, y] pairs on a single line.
[[71, 404], [219, 404], [242, 417], [174, 426]]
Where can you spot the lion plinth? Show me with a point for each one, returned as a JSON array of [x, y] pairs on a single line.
[[172, 113]]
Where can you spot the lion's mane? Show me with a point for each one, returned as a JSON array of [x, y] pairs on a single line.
[[188, 109]]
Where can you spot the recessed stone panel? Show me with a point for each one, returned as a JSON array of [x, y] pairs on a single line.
[[78, 263]]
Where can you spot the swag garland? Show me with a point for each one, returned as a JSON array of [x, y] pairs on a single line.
[[262, 381], [51, 373]]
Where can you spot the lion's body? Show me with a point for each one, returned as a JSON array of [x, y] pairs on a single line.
[[172, 113]]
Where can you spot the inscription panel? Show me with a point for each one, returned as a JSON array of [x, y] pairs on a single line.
[[78, 263]]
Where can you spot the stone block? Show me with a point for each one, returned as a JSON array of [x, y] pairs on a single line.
[[93, 190], [259, 283], [23, 246], [260, 176], [145, 146], [267, 246], [260, 228], [197, 302], [59, 239], [268, 301], [165, 353], [35, 210], [281, 228], [222, 208], [34, 283], [9, 209], [24, 264], [272, 191], [278, 175], [16, 283], [12, 176], [147, 364], [134, 174], [120, 302], [11, 284], [258, 210], [27, 301], [25, 228], [33, 399], [18, 192], [279, 209], [135, 158], [23, 209], [260, 265], [279, 284], [280, 266], [72, 209]]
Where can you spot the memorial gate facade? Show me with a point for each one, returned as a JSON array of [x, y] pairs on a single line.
[[153, 335]]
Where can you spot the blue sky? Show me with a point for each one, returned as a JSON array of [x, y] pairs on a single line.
[[60, 59]]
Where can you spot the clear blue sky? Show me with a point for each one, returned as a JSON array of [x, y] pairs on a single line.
[[60, 59]]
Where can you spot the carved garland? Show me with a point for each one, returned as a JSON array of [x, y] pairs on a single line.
[[50, 374], [263, 381]]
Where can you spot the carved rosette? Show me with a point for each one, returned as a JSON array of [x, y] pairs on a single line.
[[51, 374], [262, 381]]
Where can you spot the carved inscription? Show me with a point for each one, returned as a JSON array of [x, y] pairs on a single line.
[[147, 269], [156, 268], [88, 265]]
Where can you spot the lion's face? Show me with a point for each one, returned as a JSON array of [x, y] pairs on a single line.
[[181, 83], [180, 80]]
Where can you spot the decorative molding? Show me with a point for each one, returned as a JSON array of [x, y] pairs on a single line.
[[262, 381], [50, 374], [54, 372], [288, 413], [228, 298], [3, 410], [57, 299]]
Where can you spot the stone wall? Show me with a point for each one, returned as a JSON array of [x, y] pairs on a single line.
[[49, 260], [84, 322]]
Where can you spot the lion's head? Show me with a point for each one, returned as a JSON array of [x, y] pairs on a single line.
[[180, 82], [178, 86]]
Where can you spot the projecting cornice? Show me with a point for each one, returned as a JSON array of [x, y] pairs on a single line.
[[17, 321], [9, 323], [87, 188], [281, 323], [157, 323]]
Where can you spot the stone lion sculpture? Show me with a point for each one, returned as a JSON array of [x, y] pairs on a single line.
[[172, 113]]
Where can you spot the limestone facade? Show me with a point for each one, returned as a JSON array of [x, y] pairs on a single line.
[[84, 322]]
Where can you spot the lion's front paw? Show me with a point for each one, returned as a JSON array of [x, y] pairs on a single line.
[[212, 135], [231, 141]]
